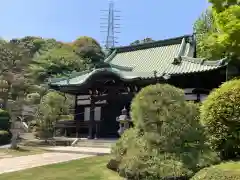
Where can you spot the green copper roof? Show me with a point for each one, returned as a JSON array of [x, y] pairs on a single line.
[[172, 56], [81, 78]]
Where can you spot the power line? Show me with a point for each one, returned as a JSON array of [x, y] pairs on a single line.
[[109, 26]]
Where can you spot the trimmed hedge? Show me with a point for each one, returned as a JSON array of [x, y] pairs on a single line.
[[119, 149], [169, 122], [141, 163], [4, 120], [224, 171], [167, 140], [5, 137], [220, 114]]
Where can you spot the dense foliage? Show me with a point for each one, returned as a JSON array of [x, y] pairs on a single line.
[[217, 31], [5, 137], [52, 106], [4, 120], [120, 148], [166, 119], [27, 63], [224, 171], [220, 115], [145, 40], [56, 62], [88, 48], [167, 139]]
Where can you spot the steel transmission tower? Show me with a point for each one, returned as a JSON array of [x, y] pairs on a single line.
[[109, 26]]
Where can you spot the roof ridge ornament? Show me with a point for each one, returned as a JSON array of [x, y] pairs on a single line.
[[177, 60]]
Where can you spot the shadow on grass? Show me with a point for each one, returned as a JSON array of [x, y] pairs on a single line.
[[20, 149]]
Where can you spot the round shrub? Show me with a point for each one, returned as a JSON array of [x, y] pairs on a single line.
[[5, 137], [33, 98], [124, 143], [142, 164], [167, 120], [4, 120], [119, 149], [220, 114], [225, 171], [167, 140]]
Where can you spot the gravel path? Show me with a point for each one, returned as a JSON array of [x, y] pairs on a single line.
[[25, 162]]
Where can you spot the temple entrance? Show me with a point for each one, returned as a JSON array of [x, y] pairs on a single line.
[[109, 125]]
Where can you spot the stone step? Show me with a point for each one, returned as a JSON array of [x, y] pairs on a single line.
[[27, 136], [95, 143]]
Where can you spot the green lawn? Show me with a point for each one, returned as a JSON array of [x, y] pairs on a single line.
[[232, 165], [22, 151], [93, 168]]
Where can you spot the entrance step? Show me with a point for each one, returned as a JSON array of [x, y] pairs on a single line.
[[28, 136], [95, 143]]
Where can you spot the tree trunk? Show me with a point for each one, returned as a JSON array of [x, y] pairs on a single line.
[[14, 143]]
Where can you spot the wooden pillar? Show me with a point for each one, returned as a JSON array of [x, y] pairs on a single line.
[[65, 132], [54, 131], [96, 130], [198, 97], [76, 116], [91, 121]]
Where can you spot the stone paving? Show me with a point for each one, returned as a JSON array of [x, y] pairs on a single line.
[[81, 150], [24, 162], [5, 155]]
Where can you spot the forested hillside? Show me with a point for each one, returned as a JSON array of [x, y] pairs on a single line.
[[28, 63]]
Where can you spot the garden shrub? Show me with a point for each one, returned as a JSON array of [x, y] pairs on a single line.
[[119, 149], [4, 120], [220, 114], [5, 137], [143, 163], [169, 122], [224, 171], [167, 140]]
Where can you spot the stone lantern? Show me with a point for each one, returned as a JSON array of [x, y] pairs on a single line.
[[124, 121]]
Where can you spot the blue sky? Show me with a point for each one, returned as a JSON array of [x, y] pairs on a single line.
[[66, 20]]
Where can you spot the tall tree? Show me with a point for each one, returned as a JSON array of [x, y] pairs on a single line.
[[58, 61], [88, 48], [203, 27], [226, 40], [13, 63], [145, 40], [52, 106], [36, 45], [221, 5]]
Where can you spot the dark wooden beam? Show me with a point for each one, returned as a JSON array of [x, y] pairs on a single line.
[[75, 116], [91, 121]]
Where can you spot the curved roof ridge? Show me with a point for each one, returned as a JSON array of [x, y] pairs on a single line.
[[206, 62], [84, 78], [164, 42], [111, 56], [123, 68], [73, 75]]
